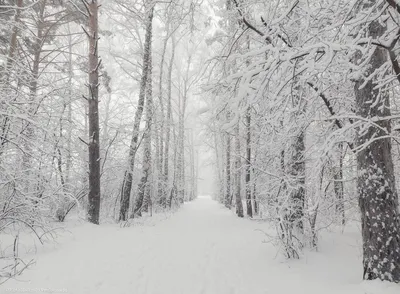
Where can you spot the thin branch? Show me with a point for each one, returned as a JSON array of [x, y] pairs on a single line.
[[279, 36], [80, 10], [108, 148], [83, 141], [328, 105], [249, 25], [86, 6]]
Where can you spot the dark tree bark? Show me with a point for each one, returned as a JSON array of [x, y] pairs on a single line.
[[297, 172], [94, 129], [376, 188], [296, 164], [228, 171]]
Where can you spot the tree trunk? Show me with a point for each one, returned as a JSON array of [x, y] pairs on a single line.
[[255, 191], [338, 185], [94, 129], [376, 188], [219, 166], [69, 110], [228, 171], [238, 165], [144, 189], [182, 193], [193, 171], [297, 171], [162, 186], [173, 190], [181, 154], [249, 208], [128, 176], [168, 129], [5, 124], [29, 130]]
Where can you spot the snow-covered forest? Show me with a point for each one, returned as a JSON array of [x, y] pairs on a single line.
[[199, 146]]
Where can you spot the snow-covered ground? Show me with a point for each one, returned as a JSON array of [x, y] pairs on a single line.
[[203, 248]]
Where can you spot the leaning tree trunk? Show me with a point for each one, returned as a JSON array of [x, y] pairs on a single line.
[[144, 189], [128, 176], [94, 129], [376, 188], [238, 163]]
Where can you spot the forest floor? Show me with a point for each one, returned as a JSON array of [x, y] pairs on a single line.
[[203, 248]]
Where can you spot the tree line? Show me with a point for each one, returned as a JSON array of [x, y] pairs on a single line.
[[86, 126], [302, 109]]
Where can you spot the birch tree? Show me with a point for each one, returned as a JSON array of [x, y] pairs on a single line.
[[143, 200], [128, 176]]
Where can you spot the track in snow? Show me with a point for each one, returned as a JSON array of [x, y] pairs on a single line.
[[202, 249]]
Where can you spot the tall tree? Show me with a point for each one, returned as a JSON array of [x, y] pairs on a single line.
[[376, 185], [144, 189], [5, 77], [168, 124], [93, 100], [128, 176]]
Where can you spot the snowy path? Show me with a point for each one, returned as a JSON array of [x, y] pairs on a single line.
[[201, 249]]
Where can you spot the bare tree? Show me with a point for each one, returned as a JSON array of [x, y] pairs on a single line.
[[143, 200], [128, 176], [93, 100]]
